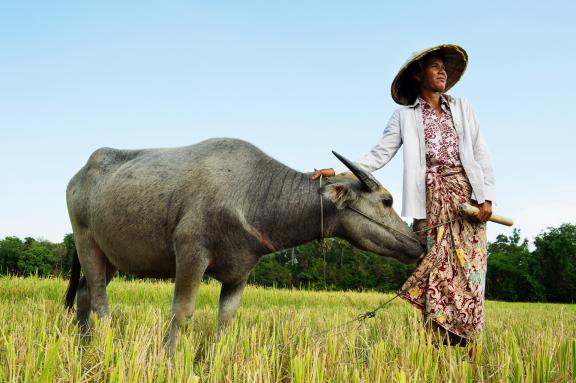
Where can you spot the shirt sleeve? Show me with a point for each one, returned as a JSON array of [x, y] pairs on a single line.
[[482, 155], [383, 151]]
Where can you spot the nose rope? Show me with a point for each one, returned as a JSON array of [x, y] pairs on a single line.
[[381, 223], [397, 231], [321, 211], [377, 221]]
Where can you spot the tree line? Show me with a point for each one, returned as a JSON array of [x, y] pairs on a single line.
[[515, 272]]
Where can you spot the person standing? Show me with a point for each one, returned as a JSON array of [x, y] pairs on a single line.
[[446, 163]]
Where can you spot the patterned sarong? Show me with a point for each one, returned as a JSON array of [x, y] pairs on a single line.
[[448, 284]]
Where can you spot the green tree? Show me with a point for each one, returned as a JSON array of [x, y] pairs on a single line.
[[556, 255], [512, 270], [66, 254], [36, 260], [11, 249], [339, 266], [270, 272], [29, 242]]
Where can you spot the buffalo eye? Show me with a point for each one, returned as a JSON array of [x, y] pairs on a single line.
[[387, 201]]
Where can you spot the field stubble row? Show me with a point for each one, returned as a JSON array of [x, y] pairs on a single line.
[[273, 339]]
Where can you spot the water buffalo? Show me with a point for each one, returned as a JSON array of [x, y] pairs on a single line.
[[212, 208]]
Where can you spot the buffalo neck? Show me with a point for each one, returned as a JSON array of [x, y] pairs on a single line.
[[288, 209]]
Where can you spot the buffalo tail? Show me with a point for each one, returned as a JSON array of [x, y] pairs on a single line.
[[74, 281]]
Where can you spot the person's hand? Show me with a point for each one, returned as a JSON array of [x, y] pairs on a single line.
[[322, 172], [485, 211]]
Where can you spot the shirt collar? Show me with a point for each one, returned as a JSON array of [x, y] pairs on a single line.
[[445, 100]]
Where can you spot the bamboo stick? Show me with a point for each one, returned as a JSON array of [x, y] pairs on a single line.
[[472, 211]]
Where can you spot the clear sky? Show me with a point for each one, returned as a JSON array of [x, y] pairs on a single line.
[[296, 78]]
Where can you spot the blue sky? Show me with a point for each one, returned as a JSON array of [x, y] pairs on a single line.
[[297, 78]]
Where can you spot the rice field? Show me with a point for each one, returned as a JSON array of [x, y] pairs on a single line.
[[274, 338]]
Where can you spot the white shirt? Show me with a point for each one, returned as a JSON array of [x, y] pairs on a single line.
[[406, 127]]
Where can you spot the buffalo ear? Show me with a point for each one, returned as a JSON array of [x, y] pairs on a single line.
[[340, 193]]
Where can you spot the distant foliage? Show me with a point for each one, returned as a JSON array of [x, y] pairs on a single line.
[[34, 256], [556, 259], [548, 273], [346, 268], [37, 260], [512, 270], [11, 248]]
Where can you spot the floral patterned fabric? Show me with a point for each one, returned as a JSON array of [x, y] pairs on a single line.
[[448, 284], [440, 136]]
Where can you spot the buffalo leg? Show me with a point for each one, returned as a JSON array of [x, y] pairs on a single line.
[[83, 307], [83, 300], [230, 295], [190, 267], [97, 271]]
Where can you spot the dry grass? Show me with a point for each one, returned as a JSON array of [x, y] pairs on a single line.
[[272, 339]]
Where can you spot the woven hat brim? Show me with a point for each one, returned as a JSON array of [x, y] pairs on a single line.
[[455, 61]]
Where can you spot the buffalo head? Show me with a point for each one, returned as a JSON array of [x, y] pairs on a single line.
[[365, 216]]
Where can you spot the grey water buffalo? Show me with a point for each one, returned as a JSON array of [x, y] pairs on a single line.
[[212, 208]]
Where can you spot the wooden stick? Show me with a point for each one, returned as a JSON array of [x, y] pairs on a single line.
[[472, 211]]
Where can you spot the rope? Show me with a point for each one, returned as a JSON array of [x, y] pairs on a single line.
[[440, 224], [321, 211], [361, 318], [376, 221], [398, 231], [322, 241]]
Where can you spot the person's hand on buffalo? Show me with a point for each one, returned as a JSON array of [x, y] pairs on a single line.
[[322, 172]]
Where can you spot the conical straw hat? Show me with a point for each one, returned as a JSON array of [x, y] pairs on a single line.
[[404, 89]]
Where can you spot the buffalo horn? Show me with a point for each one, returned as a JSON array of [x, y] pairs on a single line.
[[367, 179]]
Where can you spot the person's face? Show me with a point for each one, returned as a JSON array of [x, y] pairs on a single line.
[[433, 77]]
